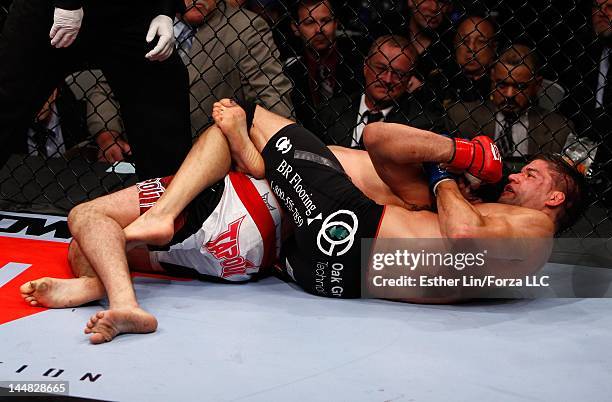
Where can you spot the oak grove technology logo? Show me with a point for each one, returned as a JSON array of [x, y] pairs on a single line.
[[283, 145], [337, 230]]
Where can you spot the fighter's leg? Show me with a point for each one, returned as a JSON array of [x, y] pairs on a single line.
[[245, 143], [62, 293], [87, 222], [207, 162], [98, 229]]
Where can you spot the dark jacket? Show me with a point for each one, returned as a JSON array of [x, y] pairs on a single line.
[[547, 132], [336, 122], [348, 79]]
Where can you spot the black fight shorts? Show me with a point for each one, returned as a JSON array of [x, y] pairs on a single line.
[[330, 214]]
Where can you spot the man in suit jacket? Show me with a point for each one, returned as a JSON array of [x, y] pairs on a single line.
[[387, 72], [512, 117], [229, 53], [327, 66]]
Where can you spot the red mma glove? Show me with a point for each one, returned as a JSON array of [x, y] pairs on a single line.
[[480, 157]]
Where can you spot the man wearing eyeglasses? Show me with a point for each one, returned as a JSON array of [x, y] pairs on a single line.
[[512, 117], [388, 72]]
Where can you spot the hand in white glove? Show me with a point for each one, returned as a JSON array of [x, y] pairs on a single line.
[[161, 26], [66, 26]]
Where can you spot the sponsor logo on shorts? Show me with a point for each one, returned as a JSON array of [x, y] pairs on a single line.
[[283, 145], [226, 249], [267, 202], [337, 233], [149, 192]]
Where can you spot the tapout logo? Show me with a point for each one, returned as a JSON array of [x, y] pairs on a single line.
[[226, 249]]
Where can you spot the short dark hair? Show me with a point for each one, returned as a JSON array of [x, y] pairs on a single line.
[[297, 4], [396, 41], [518, 54], [572, 183], [480, 16]]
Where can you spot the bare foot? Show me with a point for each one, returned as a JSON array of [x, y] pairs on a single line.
[[62, 293], [149, 228], [231, 119], [105, 325]]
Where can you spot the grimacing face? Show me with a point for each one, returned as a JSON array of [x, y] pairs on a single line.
[[532, 188], [475, 46], [602, 18], [387, 73], [513, 87], [316, 26]]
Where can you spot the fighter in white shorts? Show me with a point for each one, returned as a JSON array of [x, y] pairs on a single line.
[[231, 231]]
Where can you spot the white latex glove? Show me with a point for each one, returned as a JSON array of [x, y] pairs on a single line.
[[161, 26], [66, 26]]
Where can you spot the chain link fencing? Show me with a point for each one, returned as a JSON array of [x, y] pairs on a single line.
[[532, 75]]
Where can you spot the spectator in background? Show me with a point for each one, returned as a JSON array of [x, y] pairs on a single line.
[[276, 14], [430, 32], [475, 48], [229, 53], [387, 71], [512, 117], [328, 66], [589, 103], [59, 126], [42, 41]]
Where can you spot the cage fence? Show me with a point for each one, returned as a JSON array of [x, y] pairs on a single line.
[[531, 75]]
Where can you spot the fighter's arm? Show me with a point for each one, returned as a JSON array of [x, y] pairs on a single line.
[[392, 145], [458, 218], [396, 149]]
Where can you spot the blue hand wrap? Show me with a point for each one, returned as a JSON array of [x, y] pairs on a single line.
[[436, 175]]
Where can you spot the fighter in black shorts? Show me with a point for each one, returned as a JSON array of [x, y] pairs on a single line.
[[330, 214]]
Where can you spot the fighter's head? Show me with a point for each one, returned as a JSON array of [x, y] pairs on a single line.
[[548, 184]]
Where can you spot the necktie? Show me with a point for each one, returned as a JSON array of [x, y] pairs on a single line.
[[326, 84], [369, 117], [505, 142]]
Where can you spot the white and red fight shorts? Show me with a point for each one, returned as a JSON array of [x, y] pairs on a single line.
[[230, 231]]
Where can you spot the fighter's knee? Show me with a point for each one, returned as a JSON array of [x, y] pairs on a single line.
[[79, 214], [73, 252]]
